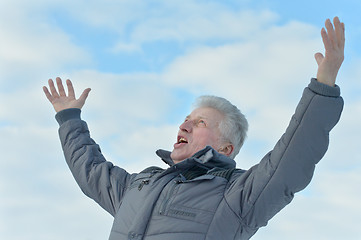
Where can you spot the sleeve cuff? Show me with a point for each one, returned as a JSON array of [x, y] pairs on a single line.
[[67, 114], [323, 89]]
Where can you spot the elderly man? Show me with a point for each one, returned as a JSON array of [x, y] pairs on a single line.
[[201, 195]]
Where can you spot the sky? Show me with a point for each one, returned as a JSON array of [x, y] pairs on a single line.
[[146, 62]]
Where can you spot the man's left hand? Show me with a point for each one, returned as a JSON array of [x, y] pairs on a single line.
[[334, 42]]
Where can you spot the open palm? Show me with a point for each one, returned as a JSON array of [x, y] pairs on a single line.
[[60, 100], [334, 42]]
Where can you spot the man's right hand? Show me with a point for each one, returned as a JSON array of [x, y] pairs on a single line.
[[59, 100]]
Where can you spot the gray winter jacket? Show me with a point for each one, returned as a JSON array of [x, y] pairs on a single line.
[[203, 197]]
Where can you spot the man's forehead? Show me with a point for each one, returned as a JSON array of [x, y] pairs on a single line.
[[196, 116], [205, 113]]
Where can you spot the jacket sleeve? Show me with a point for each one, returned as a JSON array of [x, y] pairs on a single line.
[[261, 192], [97, 178]]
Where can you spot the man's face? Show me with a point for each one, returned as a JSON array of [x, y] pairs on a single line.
[[200, 129]]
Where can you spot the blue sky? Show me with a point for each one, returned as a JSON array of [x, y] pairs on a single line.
[[146, 61]]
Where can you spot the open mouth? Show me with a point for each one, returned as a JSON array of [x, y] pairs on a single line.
[[182, 140]]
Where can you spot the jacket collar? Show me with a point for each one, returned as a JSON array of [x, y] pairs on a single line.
[[208, 157]]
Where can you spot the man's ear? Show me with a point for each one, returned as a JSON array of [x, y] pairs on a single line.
[[226, 150]]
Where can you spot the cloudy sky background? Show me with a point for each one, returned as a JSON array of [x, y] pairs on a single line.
[[146, 62]]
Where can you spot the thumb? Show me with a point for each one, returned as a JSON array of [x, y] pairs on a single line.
[[319, 58], [84, 95]]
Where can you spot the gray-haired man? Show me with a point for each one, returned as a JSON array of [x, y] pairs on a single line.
[[201, 195]]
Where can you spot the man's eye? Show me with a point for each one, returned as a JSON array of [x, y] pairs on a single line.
[[202, 122]]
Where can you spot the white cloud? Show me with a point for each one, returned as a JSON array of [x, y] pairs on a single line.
[[107, 14], [139, 97], [169, 20], [136, 151], [31, 44], [139, 22], [198, 22], [277, 57], [37, 190]]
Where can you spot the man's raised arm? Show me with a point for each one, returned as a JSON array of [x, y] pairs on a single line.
[[270, 185], [97, 178]]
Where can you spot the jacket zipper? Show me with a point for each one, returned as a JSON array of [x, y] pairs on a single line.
[[144, 182], [169, 195]]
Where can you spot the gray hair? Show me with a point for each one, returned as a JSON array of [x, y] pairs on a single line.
[[233, 127]]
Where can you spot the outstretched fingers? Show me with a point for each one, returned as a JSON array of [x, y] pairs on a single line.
[[331, 35], [60, 87], [58, 97], [53, 91], [58, 90], [71, 92], [325, 39], [334, 38], [339, 32], [47, 94]]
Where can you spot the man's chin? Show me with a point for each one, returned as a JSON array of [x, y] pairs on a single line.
[[176, 157]]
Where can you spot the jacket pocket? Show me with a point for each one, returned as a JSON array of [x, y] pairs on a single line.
[[190, 214], [177, 203]]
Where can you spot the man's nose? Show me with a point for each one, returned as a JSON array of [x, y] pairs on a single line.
[[186, 126]]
